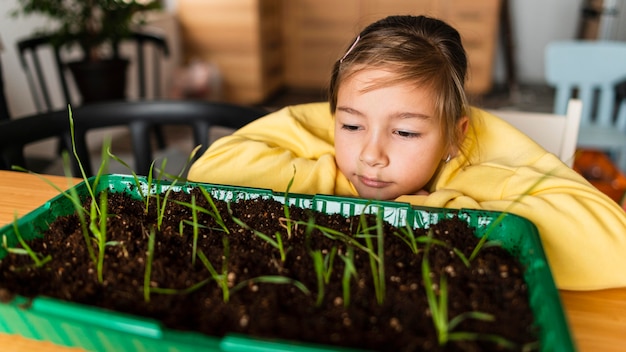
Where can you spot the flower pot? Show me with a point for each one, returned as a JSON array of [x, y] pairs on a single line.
[[94, 328], [101, 80]]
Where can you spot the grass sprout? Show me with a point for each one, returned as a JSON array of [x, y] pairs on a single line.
[[438, 307], [221, 279], [286, 223], [277, 243], [144, 197], [148, 269], [349, 271], [323, 265], [215, 214], [162, 203], [25, 250], [271, 279], [377, 263], [98, 227]]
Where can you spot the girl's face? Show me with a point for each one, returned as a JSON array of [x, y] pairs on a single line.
[[388, 142]]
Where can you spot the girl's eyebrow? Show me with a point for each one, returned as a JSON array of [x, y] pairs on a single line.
[[398, 115], [349, 110], [408, 115]]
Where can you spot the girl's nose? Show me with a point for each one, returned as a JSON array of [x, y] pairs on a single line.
[[373, 152]]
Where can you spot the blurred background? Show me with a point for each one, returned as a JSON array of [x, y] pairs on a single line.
[[272, 53], [275, 51]]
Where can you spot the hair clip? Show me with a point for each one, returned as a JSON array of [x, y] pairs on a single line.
[[351, 47]]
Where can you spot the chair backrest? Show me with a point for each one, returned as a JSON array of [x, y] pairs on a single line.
[[35, 53], [4, 107], [139, 116], [555, 133], [592, 70]]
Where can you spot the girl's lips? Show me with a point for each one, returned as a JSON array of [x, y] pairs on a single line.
[[370, 182]]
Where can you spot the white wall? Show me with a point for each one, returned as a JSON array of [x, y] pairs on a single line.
[[535, 23]]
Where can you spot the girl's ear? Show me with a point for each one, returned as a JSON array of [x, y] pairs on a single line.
[[462, 126]]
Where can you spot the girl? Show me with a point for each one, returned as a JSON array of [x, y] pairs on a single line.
[[399, 127]]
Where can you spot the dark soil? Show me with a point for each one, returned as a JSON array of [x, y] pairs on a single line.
[[493, 284]]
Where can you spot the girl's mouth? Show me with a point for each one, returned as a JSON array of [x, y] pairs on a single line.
[[371, 182]]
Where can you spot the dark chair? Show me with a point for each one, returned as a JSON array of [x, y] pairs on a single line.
[[4, 107], [151, 50], [139, 116]]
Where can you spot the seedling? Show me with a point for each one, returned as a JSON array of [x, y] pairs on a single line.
[[148, 269], [144, 197], [221, 279], [25, 250], [407, 234], [194, 218], [72, 195], [278, 243], [271, 279], [214, 212], [377, 263], [161, 207], [323, 265], [286, 223], [439, 312], [98, 227], [349, 271], [337, 236]]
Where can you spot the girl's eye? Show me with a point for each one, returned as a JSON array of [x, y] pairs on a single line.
[[350, 127], [406, 134]]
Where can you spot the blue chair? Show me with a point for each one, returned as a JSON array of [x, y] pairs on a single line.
[[591, 72]]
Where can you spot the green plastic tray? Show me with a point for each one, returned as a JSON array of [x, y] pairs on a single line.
[[95, 329]]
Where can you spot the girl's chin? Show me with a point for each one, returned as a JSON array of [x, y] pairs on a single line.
[[376, 194]]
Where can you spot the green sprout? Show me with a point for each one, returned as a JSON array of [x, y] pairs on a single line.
[[377, 263], [144, 197], [221, 279], [161, 207], [98, 227], [72, 193], [214, 212], [439, 312], [194, 217], [349, 271], [286, 223], [148, 269], [25, 250], [272, 279], [278, 243], [323, 265]]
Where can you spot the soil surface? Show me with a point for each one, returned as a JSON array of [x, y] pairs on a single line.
[[493, 283]]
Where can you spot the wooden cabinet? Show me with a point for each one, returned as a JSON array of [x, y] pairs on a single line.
[[243, 38], [317, 33], [262, 45]]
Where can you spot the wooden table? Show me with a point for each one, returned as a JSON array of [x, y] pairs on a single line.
[[597, 318]]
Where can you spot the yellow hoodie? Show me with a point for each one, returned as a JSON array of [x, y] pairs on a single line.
[[582, 230]]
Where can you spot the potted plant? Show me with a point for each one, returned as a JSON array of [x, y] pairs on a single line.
[[97, 27]]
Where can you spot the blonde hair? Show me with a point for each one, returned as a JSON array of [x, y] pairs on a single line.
[[418, 50]]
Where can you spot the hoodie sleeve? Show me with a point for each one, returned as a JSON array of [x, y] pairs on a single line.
[[582, 230], [268, 151]]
